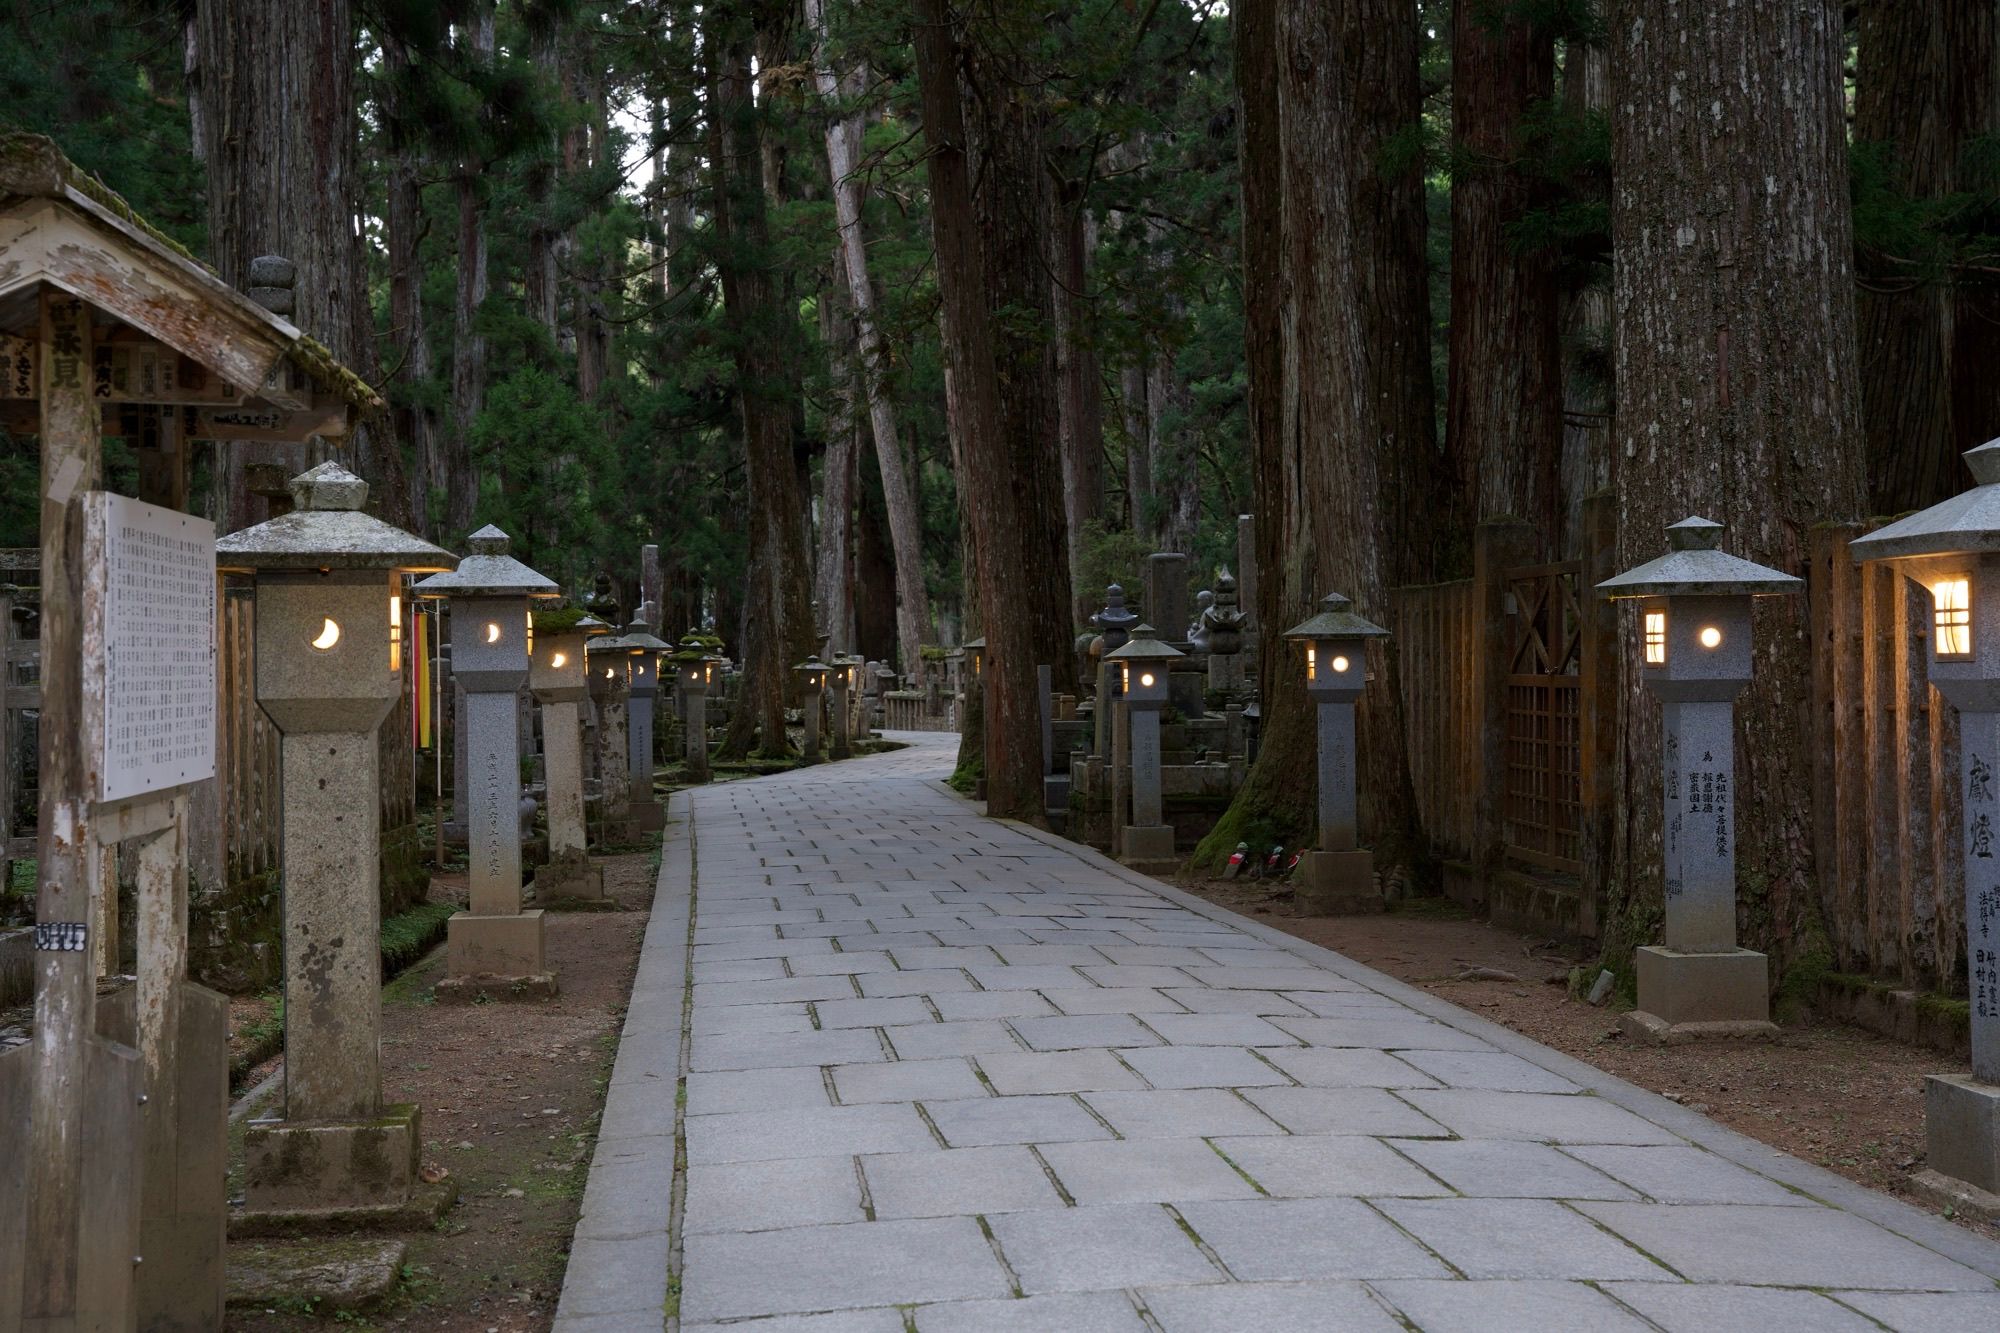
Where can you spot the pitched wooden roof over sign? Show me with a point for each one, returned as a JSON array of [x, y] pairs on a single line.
[[174, 333]]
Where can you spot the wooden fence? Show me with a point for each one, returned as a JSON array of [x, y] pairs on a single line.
[[907, 710], [1435, 630], [1886, 802]]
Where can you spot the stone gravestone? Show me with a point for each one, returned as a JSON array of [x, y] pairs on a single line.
[[609, 693], [326, 572], [1222, 634], [644, 652], [561, 683], [494, 947], [1167, 593]]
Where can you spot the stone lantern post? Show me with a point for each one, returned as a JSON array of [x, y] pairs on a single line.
[[693, 667], [610, 693], [812, 678], [494, 947], [1953, 550], [644, 652], [328, 606], [1694, 642], [845, 675], [560, 683], [1114, 624], [1338, 877], [1142, 666]]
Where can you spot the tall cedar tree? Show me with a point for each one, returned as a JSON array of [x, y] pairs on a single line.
[[1925, 94], [1340, 373], [989, 217], [761, 333], [1503, 412], [1737, 387]]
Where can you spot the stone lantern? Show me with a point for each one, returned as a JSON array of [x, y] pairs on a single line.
[[812, 678], [494, 947], [610, 695], [1338, 877], [560, 682], [1953, 550], [1694, 646], [644, 651], [843, 678], [1142, 666], [1114, 624], [693, 669], [329, 612]]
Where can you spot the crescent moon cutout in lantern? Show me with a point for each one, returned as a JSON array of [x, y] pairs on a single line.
[[329, 635], [559, 661], [492, 632]]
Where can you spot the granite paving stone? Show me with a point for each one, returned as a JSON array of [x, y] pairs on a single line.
[[959, 1075]]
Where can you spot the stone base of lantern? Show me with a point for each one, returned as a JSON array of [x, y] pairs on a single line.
[[1962, 1135], [1700, 996], [303, 1171], [1149, 849], [569, 876], [1338, 884], [496, 958]]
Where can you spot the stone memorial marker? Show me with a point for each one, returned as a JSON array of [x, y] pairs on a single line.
[[1142, 665], [1223, 625], [644, 651], [494, 948], [1167, 592], [609, 694], [560, 679], [1339, 877], [329, 589], [1695, 655], [694, 667], [812, 679], [1953, 549]]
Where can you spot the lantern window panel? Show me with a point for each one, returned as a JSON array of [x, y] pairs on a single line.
[[1951, 599], [1656, 638]]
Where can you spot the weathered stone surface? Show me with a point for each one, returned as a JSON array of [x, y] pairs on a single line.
[[330, 1274]]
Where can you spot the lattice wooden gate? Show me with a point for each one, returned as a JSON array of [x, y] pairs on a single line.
[[1543, 823]]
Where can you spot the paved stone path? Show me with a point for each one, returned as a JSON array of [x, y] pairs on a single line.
[[936, 1072]]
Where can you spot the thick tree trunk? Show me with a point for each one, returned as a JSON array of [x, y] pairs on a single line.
[[276, 125], [1924, 89], [761, 336], [833, 567], [1737, 388], [1082, 389], [539, 289], [1344, 443], [414, 421], [1503, 413], [468, 345], [991, 259], [1140, 509], [1587, 458], [1176, 465]]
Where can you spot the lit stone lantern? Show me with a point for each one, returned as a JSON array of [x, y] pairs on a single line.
[[644, 650], [494, 947], [843, 678], [1338, 877], [610, 696], [1142, 667], [694, 667], [1114, 624], [1953, 550], [812, 677], [560, 682], [1694, 645], [329, 616]]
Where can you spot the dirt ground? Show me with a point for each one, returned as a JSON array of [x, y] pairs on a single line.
[[1831, 1094], [511, 1095]]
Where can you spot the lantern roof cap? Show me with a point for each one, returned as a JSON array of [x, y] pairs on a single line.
[[592, 626], [1144, 646], [978, 643], [640, 635], [812, 666], [328, 530], [607, 642], [1966, 524], [1695, 565], [691, 649], [489, 572], [1336, 620]]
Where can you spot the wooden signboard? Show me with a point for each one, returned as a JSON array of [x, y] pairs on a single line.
[[152, 725]]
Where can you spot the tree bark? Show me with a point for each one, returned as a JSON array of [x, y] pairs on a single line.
[[413, 420], [843, 136], [1924, 89], [1503, 412], [1140, 509], [833, 570], [762, 337], [277, 129], [1082, 388], [1737, 388], [994, 292], [1340, 396], [468, 345]]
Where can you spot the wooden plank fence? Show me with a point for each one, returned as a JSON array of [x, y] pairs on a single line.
[[1886, 807], [1435, 628]]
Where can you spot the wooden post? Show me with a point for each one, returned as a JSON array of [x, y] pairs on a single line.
[[81, 1235], [1597, 684], [1498, 545]]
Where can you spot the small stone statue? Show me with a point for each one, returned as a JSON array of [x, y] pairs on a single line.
[[1222, 623], [1197, 633], [1115, 620]]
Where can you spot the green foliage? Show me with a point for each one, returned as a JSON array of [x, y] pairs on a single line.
[[407, 936]]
